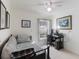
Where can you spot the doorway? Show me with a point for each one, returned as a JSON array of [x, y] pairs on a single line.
[[44, 28]]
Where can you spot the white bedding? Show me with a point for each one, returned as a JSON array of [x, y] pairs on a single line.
[[27, 45]]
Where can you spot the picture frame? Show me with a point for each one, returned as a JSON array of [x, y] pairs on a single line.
[[7, 19], [64, 23], [3, 16], [25, 23]]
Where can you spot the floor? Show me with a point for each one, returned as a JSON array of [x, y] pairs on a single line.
[[62, 54]]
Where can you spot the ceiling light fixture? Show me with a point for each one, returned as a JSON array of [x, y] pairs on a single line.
[[49, 9]]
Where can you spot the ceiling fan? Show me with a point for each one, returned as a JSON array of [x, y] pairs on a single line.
[[49, 4]]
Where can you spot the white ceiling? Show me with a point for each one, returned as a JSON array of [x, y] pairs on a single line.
[[33, 5]]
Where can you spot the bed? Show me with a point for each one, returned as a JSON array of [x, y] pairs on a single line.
[[12, 46]]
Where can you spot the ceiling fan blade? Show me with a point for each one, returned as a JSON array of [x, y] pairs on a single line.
[[58, 2], [40, 4], [60, 5], [50, 3]]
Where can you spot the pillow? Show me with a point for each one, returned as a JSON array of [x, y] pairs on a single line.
[[9, 48], [23, 38]]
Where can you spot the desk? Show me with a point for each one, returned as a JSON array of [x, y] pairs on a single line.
[[56, 40]]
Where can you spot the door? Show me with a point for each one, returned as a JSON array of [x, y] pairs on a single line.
[[44, 28]]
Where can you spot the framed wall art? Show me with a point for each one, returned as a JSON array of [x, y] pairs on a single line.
[[7, 19], [3, 16], [64, 23], [25, 23]]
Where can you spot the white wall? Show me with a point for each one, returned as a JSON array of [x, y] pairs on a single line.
[[17, 16], [5, 32], [71, 36], [7, 4]]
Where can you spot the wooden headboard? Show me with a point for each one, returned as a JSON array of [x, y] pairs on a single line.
[[3, 44]]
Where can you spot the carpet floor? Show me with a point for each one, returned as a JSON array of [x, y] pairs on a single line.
[[62, 54]]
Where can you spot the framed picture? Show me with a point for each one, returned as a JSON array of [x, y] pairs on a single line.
[[7, 19], [25, 23], [3, 16], [64, 23]]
